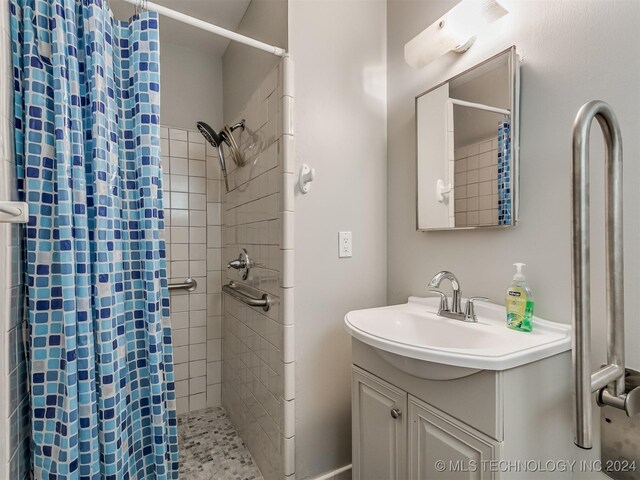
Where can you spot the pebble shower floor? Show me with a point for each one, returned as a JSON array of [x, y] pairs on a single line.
[[210, 448]]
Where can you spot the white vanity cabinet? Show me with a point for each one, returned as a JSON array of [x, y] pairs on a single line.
[[397, 436], [488, 425], [434, 437], [379, 428]]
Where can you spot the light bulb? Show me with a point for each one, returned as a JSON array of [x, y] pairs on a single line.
[[456, 30]]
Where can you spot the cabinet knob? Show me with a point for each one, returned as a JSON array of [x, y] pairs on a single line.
[[395, 412]]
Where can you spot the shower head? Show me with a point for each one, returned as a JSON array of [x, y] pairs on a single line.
[[215, 139], [210, 135]]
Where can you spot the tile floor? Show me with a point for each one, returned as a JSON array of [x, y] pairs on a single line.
[[210, 448]]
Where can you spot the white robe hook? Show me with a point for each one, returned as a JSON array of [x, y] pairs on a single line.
[[306, 176]]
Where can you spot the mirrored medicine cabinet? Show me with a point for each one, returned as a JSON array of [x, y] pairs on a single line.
[[467, 148]]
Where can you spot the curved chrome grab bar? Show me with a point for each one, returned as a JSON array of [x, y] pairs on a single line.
[[236, 292], [612, 374]]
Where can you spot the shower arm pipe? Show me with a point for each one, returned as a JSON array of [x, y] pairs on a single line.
[[480, 106], [223, 32]]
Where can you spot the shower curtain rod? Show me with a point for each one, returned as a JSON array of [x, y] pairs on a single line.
[[223, 32], [480, 106]]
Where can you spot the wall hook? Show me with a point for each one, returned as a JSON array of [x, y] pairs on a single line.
[[442, 190], [307, 175], [14, 212]]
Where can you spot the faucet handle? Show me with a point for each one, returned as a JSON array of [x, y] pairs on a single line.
[[243, 264], [469, 309], [237, 264], [444, 303]]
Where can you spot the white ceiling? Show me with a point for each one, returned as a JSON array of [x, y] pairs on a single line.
[[224, 13]]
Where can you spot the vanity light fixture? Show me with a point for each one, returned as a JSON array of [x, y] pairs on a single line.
[[455, 31]]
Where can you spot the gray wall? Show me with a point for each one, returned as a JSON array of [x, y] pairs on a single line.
[[191, 86], [245, 67], [572, 52], [339, 50]]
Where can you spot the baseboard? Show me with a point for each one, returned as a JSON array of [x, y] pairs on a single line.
[[343, 473]]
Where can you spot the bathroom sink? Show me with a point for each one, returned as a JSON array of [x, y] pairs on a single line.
[[413, 338]]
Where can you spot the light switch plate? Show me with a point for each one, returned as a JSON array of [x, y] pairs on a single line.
[[345, 244]]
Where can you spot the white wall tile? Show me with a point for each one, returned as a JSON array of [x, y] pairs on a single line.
[[179, 166], [197, 201], [182, 405], [214, 350], [179, 320], [197, 402], [214, 397], [198, 318], [198, 352], [197, 335], [181, 354], [214, 372], [197, 151], [197, 168], [178, 134], [198, 251], [178, 149], [180, 337], [476, 176], [179, 200], [253, 342], [195, 316], [197, 368], [194, 136], [197, 385]]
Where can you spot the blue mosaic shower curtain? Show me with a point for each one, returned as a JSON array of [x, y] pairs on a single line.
[[504, 173], [88, 154]]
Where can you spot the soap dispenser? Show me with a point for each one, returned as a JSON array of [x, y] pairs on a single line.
[[519, 302]]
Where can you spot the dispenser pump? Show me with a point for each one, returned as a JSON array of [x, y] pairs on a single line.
[[519, 276]]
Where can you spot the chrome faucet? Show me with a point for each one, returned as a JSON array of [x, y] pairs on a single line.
[[469, 314], [456, 300]]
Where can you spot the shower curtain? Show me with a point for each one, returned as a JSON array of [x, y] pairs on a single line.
[[87, 140]]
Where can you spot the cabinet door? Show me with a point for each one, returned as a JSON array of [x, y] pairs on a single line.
[[379, 428], [441, 447]]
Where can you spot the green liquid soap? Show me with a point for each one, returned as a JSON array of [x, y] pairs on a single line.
[[519, 302]]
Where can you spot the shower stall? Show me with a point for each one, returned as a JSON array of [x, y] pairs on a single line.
[[226, 231], [206, 266]]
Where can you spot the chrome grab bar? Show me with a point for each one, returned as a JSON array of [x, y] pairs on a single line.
[[611, 375], [237, 292], [189, 285]]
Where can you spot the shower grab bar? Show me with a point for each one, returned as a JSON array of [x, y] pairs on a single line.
[[610, 379], [189, 285], [237, 292]]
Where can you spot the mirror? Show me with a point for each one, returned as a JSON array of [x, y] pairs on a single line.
[[467, 148]]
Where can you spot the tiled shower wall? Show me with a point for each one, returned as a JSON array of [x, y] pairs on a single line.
[[193, 212], [14, 402], [476, 184], [258, 388]]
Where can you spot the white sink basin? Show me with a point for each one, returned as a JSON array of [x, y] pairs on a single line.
[[413, 338]]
